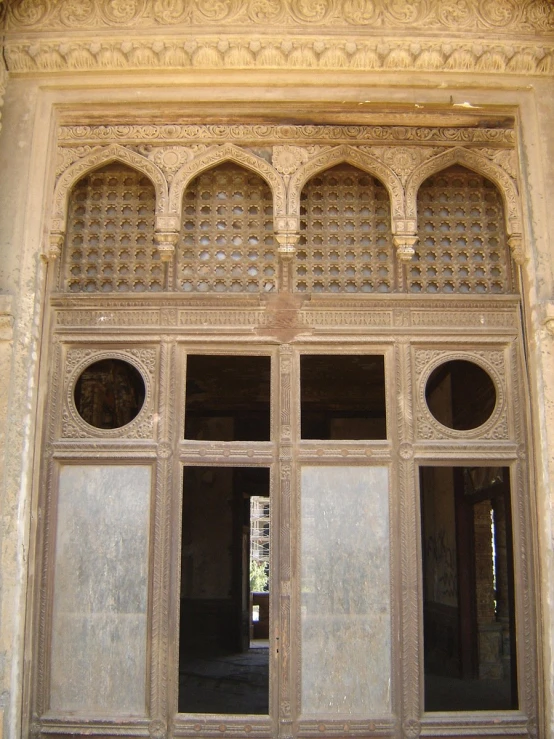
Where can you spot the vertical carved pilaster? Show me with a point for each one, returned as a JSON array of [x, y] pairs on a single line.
[[409, 545], [162, 655], [285, 543], [287, 241], [166, 236]]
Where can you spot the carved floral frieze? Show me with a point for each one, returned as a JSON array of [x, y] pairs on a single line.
[[139, 134], [521, 16]]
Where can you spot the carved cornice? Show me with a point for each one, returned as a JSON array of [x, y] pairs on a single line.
[[352, 53], [499, 16]]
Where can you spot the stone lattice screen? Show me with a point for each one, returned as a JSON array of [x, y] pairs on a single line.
[[226, 242], [462, 244], [346, 243], [109, 244]]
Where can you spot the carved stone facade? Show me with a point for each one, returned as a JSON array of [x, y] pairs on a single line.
[[275, 179]]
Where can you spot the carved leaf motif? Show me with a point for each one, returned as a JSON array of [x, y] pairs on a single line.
[[216, 10], [76, 12], [66, 157], [28, 12], [264, 10], [406, 11], [121, 11], [311, 10], [504, 159], [359, 11], [454, 12], [170, 11], [499, 12]]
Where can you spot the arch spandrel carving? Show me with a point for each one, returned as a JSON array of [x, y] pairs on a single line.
[[479, 164], [99, 158], [357, 158], [227, 153]]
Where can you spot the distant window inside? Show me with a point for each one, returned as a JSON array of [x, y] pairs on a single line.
[[343, 397]]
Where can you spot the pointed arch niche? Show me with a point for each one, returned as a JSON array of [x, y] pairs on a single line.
[[109, 244], [462, 242], [345, 234], [226, 242]]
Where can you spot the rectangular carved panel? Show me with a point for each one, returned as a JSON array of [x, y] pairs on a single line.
[[98, 662]]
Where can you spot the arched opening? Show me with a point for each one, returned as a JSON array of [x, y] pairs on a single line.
[[345, 244], [226, 241], [109, 243], [462, 244]]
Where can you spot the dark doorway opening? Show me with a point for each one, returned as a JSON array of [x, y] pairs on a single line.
[[468, 589], [221, 669]]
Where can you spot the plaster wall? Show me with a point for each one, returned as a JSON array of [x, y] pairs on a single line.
[[31, 108]]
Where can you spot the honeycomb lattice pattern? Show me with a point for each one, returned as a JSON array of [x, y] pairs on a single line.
[[346, 243], [226, 242], [109, 244], [462, 245]]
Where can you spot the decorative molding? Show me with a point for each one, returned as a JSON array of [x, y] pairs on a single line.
[[227, 153], [230, 51], [358, 158], [403, 160], [98, 158], [288, 159], [171, 158], [499, 16], [67, 156], [495, 428], [137, 134], [478, 163]]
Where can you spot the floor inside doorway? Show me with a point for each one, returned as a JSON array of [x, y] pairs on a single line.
[[226, 683], [452, 694]]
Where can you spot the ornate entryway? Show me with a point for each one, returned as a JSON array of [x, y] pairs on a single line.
[[333, 326]]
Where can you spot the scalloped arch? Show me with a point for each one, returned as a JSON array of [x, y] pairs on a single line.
[[99, 158], [477, 163], [357, 158], [227, 153]]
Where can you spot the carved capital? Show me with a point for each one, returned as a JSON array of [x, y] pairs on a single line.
[[165, 241], [54, 246], [287, 223], [515, 242], [287, 241], [404, 244], [167, 223]]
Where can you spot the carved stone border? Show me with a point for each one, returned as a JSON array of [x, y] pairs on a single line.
[[494, 428], [142, 426], [351, 52]]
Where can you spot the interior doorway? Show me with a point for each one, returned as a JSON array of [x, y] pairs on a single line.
[[468, 603], [223, 668]]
